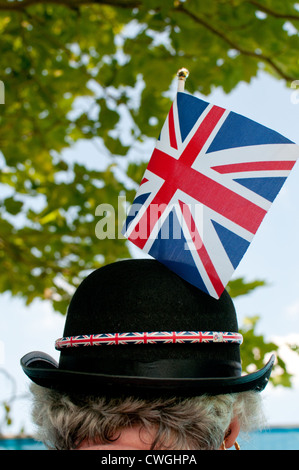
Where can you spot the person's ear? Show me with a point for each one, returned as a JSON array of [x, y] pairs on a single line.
[[231, 434]]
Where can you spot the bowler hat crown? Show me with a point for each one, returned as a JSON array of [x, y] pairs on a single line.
[[143, 298]]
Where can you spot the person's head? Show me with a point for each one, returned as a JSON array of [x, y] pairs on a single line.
[[144, 351], [70, 421]]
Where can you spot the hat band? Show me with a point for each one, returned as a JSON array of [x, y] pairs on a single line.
[[149, 338]]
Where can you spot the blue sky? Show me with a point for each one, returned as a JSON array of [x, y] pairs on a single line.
[[273, 256]]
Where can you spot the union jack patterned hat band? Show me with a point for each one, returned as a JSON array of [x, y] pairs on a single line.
[[136, 328], [163, 337]]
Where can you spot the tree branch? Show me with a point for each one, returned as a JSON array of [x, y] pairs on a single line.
[[21, 6], [233, 45], [273, 13]]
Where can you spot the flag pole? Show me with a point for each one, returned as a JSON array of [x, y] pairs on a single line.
[[182, 75]]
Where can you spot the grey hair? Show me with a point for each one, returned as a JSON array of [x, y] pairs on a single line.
[[198, 423]]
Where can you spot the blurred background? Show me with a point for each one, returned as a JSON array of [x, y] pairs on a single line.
[[86, 87]]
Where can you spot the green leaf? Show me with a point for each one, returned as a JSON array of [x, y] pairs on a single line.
[[239, 287], [13, 206]]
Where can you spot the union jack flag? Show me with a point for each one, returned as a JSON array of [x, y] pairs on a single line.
[[211, 179]]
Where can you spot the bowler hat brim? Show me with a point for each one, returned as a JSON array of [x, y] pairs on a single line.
[[43, 370]]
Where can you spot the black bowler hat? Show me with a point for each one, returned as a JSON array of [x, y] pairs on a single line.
[[136, 328]]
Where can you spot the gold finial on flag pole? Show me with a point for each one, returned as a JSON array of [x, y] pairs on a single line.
[[182, 75]]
